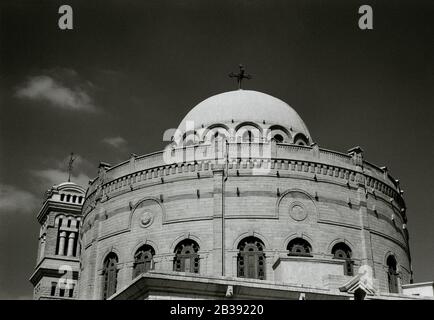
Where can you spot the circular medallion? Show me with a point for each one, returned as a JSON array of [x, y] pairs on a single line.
[[297, 211], [146, 219]]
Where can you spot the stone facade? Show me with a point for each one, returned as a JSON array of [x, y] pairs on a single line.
[[218, 188], [274, 191]]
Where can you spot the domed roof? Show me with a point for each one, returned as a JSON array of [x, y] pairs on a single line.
[[70, 186], [244, 105]]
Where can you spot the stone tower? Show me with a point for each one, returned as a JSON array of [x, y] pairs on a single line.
[[58, 264]]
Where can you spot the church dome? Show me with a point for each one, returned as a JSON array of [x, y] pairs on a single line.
[[242, 106]]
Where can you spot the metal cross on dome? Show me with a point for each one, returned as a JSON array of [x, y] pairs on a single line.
[[240, 75]]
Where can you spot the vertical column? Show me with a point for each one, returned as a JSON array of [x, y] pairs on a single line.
[[367, 254], [42, 251], [62, 236], [217, 263], [71, 240]]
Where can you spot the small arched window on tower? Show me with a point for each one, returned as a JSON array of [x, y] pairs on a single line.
[[343, 252], [251, 259], [392, 274], [299, 247], [143, 260], [186, 256], [110, 275]]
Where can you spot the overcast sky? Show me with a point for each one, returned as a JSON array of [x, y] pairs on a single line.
[[132, 69]]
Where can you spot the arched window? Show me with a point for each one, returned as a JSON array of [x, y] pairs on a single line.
[[343, 252], [251, 259], [392, 274], [110, 275], [186, 256], [219, 144], [299, 247], [190, 138], [301, 139], [278, 138], [247, 136], [143, 260], [188, 143]]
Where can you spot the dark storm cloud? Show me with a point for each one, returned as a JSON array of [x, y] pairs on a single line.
[[145, 64]]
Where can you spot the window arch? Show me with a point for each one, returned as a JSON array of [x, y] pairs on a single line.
[[343, 252], [251, 259], [186, 256], [110, 275], [392, 274], [143, 260], [278, 133], [301, 139], [299, 247], [216, 132], [190, 138], [247, 136], [248, 133], [189, 143], [278, 138]]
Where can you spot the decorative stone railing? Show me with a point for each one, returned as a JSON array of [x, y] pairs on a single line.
[[309, 160]]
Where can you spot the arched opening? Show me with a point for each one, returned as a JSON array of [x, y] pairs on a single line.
[[110, 275], [143, 260], [343, 252], [186, 256], [219, 144], [189, 143], [247, 136], [301, 140], [392, 274], [215, 132], [251, 259], [278, 138], [190, 138], [299, 247]]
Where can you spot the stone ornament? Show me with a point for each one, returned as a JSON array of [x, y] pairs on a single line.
[[297, 211], [146, 219]]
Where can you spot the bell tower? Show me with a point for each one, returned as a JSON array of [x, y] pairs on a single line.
[[58, 264]]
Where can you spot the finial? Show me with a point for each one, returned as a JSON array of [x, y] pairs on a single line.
[[71, 160], [240, 75]]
